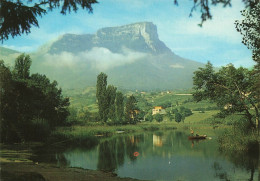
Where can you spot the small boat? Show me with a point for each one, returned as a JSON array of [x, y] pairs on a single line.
[[197, 137]]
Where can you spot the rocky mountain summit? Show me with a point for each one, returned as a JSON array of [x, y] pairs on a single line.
[[141, 37]]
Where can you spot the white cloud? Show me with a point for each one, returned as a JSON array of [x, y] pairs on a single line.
[[99, 58], [221, 27], [64, 59], [177, 66]]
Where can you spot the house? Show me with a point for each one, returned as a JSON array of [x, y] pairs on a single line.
[[158, 110]]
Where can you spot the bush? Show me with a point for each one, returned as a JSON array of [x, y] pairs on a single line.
[[149, 117], [158, 117], [185, 111], [178, 117]]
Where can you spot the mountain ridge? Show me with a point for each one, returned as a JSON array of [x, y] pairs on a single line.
[[141, 37], [131, 55]]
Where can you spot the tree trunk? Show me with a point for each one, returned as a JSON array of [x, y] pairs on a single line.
[[257, 120], [249, 116], [256, 115]]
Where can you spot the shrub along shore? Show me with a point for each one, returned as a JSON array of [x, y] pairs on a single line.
[[90, 134]]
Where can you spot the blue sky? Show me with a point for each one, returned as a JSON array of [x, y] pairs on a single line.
[[217, 41]]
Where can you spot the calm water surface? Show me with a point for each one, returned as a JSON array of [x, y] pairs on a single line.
[[161, 156]]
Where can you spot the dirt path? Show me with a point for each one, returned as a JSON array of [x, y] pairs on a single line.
[[12, 171]]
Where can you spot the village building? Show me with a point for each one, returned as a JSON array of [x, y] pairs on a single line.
[[158, 110]]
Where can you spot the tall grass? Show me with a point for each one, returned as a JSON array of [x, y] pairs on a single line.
[[94, 131], [239, 138]]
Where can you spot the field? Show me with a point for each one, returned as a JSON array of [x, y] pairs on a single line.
[[86, 98]]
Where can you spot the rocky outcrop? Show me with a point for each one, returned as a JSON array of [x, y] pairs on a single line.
[[141, 37]]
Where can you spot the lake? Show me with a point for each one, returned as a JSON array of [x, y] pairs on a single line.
[[167, 155]]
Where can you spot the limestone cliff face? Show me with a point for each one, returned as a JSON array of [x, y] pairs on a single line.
[[141, 37]]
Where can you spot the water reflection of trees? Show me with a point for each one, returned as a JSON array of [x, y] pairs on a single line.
[[220, 172], [248, 160], [112, 152], [107, 159]]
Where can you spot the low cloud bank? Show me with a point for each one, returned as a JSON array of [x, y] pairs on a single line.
[[98, 58]]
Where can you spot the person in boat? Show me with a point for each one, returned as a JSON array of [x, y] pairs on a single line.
[[191, 131]]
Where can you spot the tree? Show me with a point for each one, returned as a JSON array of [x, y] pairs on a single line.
[[204, 7], [111, 98], [83, 114], [185, 111], [119, 107], [17, 17], [178, 117], [54, 107], [250, 30], [130, 110], [31, 106], [230, 88], [22, 66], [140, 115], [7, 102], [101, 94], [158, 117]]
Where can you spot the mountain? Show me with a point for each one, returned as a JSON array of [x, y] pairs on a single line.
[[132, 56], [8, 55], [139, 37]]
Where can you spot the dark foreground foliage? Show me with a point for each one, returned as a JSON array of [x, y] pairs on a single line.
[[31, 105]]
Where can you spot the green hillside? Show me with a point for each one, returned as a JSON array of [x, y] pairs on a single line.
[[146, 100]]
